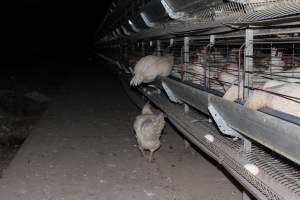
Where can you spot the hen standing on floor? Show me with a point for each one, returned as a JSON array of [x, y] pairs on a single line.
[[148, 128]]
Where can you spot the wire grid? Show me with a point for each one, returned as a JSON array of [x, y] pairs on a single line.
[[286, 173], [283, 171], [206, 64], [251, 10], [221, 67], [269, 10], [280, 169], [275, 61]]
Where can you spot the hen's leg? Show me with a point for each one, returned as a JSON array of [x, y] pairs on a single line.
[[142, 150], [150, 156], [188, 147]]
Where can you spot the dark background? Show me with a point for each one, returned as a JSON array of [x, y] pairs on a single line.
[[46, 39], [60, 29], [42, 46]]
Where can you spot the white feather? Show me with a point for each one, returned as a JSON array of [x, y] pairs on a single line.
[[291, 106], [149, 67]]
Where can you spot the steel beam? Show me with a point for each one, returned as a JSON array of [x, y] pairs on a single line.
[[276, 134], [143, 48], [158, 47], [248, 62], [186, 56], [171, 42], [192, 96]]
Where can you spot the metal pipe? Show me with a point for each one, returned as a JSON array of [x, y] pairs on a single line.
[[186, 56], [212, 40], [239, 69], [171, 42], [248, 62], [143, 48], [158, 47], [293, 61]]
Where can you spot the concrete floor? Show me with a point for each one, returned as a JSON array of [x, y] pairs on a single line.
[[84, 149]]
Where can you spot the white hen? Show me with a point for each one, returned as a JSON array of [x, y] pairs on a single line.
[[283, 97], [270, 65], [235, 92], [196, 70], [288, 76], [149, 67], [148, 128], [291, 75]]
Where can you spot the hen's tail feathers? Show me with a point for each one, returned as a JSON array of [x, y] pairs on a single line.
[[147, 109], [155, 128], [136, 80], [159, 124]]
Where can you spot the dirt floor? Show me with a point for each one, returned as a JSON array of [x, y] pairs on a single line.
[[84, 148], [24, 96]]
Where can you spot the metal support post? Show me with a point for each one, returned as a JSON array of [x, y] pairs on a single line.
[[186, 108], [158, 47], [186, 56], [248, 62], [212, 39], [143, 48], [171, 42]]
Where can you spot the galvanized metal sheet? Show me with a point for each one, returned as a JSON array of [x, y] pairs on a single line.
[[128, 27], [137, 22], [280, 136], [155, 12], [191, 5], [208, 17], [198, 133], [192, 96], [277, 179]]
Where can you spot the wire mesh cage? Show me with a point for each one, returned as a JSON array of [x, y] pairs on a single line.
[[217, 50], [221, 66]]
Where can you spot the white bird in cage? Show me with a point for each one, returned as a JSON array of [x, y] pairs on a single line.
[[149, 67], [226, 79], [202, 66], [235, 92], [228, 73], [271, 64], [275, 68], [196, 70], [283, 97], [288, 76], [276, 63], [291, 75]]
